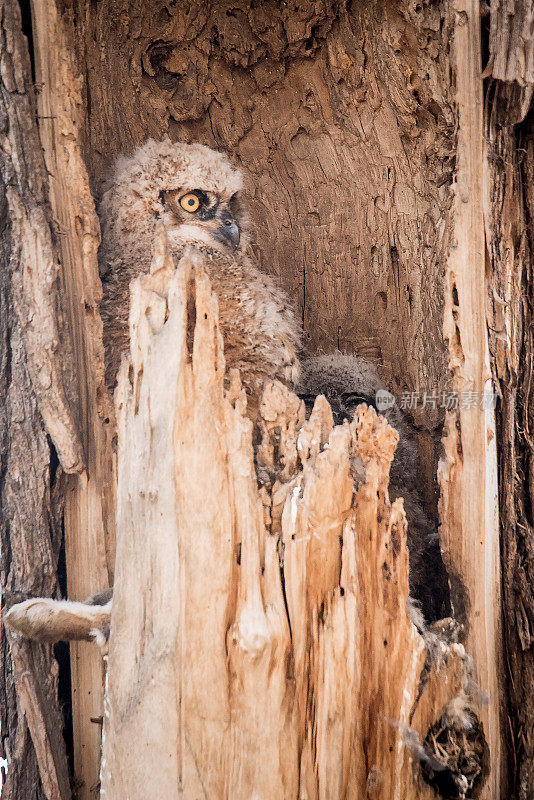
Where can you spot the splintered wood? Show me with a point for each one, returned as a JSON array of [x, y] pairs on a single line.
[[260, 644]]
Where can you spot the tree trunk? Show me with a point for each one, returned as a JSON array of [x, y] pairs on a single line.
[[394, 212], [229, 675]]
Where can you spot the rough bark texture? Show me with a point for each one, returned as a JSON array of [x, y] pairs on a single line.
[[510, 237], [343, 121], [260, 643], [344, 118], [31, 387]]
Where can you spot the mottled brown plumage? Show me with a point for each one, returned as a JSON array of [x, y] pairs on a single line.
[[164, 181]]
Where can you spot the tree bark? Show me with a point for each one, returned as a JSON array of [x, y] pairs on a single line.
[[34, 403], [359, 129], [509, 204]]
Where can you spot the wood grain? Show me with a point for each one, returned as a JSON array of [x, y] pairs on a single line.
[[468, 472], [89, 500], [244, 663]]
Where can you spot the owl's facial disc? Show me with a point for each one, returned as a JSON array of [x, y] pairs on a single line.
[[211, 216]]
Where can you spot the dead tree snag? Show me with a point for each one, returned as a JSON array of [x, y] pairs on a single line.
[[260, 641], [384, 202]]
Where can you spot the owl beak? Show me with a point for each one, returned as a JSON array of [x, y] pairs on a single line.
[[228, 232], [233, 234]]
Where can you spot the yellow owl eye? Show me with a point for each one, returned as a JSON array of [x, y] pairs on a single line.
[[190, 202]]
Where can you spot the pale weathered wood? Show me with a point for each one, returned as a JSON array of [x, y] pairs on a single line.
[[245, 663], [89, 501], [468, 471]]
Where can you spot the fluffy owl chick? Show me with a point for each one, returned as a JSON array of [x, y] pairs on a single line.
[[196, 193], [346, 381]]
